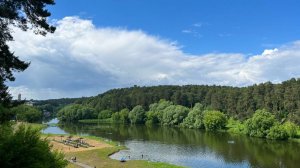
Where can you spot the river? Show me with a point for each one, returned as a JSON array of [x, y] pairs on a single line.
[[190, 147]]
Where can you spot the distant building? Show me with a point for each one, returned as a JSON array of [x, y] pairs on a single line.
[[19, 97]]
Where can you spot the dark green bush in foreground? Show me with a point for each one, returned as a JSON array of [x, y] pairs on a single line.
[[24, 148]]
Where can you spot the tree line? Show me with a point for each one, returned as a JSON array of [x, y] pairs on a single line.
[[261, 124], [282, 100]]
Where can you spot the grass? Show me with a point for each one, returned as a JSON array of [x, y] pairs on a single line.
[[235, 126], [32, 125], [100, 159], [95, 121], [92, 121]]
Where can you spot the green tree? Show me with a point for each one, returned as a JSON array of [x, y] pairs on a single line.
[[74, 112], [195, 117], [291, 129], [214, 120], [5, 114], [25, 15], [124, 115], [105, 114], [137, 115], [260, 123], [115, 117], [24, 147], [174, 114], [27, 113], [277, 132]]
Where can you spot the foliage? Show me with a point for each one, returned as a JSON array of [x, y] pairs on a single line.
[[156, 110], [27, 113], [278, 132], [238, 102], [75, 112], [115, 117], [105, 114], [24, 147], [291, 129], [235, 126], [195, 117], [5, 114], [52, 106], [137, 115], [174, 114], [260, 123], [24, 15], [214, 120], [124, 115]]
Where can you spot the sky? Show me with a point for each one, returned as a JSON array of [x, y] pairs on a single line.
[[105, 44]]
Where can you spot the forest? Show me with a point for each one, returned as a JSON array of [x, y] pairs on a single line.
[[282, 100]]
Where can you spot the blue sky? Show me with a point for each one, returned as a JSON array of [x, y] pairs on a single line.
[[100, 45], [199, 26]]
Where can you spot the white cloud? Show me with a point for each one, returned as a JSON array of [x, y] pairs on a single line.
[[80, 59]]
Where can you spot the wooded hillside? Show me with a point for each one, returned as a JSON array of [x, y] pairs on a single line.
[[281, 99]]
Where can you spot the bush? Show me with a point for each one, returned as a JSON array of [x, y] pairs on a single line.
[[291, 129], [5, 114], [214, 120], [260, 123], [24, 147], [278, 132], [235, 126]]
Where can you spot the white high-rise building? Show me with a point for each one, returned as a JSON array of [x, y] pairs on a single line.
[[19, 97]]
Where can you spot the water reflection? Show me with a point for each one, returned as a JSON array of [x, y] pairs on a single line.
[[194, 148]]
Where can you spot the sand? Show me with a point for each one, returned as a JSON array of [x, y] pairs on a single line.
[[66, 149]]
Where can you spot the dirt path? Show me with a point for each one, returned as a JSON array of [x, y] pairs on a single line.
[[80, 164]]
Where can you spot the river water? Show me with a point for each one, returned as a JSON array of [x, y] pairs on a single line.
[[190, 147]]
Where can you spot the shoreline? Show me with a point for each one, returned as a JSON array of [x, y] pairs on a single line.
[[101, 157]]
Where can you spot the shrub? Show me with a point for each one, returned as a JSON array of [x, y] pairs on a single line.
[[291, 129], [278, 132], [260, 123], [24, 147], [235, 126], [214, 120]]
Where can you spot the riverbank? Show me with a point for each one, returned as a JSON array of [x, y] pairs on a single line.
[[98, 155]]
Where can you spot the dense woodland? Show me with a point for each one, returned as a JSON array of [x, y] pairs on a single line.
[[283, 100]]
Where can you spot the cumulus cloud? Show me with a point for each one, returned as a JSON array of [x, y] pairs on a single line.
[[80, 59]]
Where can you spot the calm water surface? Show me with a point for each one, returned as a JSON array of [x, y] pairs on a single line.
[[192, 148]]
